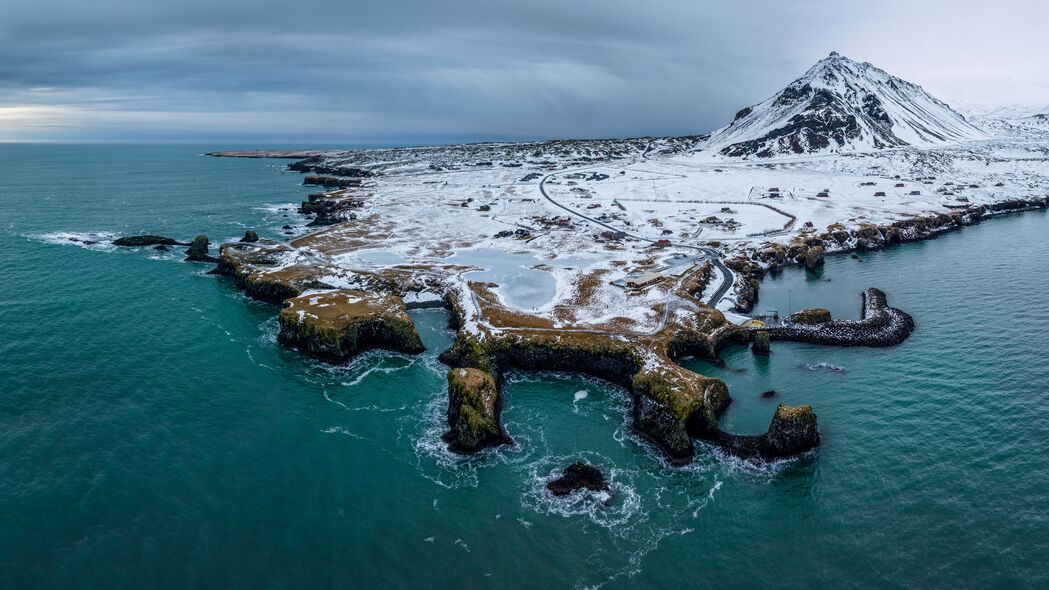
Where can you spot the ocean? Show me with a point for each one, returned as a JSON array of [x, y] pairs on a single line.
[[154, 434]]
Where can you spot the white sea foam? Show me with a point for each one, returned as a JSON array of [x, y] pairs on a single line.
[[99, 241], [341, 430], [825, 368]]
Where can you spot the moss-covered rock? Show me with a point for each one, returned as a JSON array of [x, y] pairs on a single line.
[[761, 343], [792, 431], [810, 317], [337, 325], [474, 405]]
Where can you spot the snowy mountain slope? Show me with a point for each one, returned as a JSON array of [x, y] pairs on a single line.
[[840, 105]]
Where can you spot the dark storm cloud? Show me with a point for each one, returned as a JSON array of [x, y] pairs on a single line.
[[396, 69]]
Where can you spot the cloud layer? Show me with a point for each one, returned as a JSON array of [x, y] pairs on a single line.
[[415, 71]]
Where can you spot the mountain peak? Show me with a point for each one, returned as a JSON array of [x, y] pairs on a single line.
[[841, 105]]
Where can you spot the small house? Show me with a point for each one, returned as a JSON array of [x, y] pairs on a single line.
[[643, 280]]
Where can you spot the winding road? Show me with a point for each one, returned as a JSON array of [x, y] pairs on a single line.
[[727, 278]]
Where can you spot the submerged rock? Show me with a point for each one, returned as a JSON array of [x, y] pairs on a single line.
[[769, 393], [578, 476], [146, 240], [198, 250], [337, 325], [250, 237], [161, 248], [474, 405]]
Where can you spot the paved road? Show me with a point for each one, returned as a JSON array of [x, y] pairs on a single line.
[[712, 254]]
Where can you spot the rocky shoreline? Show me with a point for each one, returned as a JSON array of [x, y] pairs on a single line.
[[810, 250]]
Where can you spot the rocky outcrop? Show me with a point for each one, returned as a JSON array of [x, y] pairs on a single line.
[[198, 250], [260, 269], [879, 325], [748, 281], [337, 325], [146, 240], [332, 181], [761, 343], [474, 405], [814, 257], [671, 405], [578, 476], [810, 317], [250, 237], [329, 211], [792, 432]]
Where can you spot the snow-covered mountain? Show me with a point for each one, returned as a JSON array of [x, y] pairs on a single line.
[[840, 105]]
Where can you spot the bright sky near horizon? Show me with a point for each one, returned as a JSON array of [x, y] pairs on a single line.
[[397, 71]]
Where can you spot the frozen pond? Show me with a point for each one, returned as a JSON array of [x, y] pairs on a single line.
[[520, 285]]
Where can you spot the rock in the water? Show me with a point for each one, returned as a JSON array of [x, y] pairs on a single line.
[[762, 342], [250, 237], [814, 258], [337, 325], [161, 248], [147, 240], [792, 432], [198, 250], [769, 393], [810, 317], [474, 405], [578, 476]]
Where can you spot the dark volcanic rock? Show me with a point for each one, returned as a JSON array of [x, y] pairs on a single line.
[[161, 248], [250, 237], [578, 476], [658, 424], [146, 240], [198, 250], [792, 432]]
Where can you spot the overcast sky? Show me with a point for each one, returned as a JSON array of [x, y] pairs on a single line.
[[352, 71]]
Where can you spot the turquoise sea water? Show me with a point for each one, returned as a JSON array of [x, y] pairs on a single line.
[[152, 432]]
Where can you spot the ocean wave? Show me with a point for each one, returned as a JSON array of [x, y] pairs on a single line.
[[98, 241]]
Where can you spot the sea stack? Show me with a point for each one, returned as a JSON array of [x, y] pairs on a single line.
[[473, 411], [198, 250]]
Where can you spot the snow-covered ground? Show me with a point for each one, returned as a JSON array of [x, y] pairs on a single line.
[[431, 207]]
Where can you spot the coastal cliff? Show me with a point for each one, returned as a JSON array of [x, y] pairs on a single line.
[[337, 325]]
